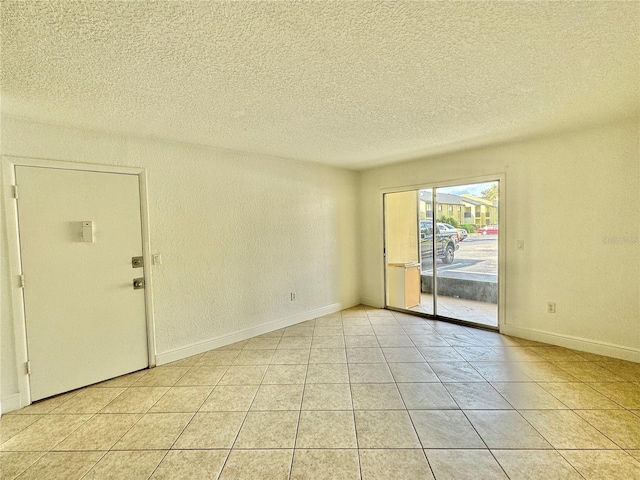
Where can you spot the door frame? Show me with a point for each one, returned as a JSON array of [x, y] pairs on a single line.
[[15, 261], [502, 269]]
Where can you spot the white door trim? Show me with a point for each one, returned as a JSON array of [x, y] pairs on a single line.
[[13, 243]]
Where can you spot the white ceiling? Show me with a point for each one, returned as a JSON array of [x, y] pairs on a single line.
[[351, 83]]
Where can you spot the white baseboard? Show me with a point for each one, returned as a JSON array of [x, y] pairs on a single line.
[[206, 345], [11, 403], [371, 302], [576, 343]]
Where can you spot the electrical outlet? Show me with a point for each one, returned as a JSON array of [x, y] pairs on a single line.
[[293, 296], [551, 307]]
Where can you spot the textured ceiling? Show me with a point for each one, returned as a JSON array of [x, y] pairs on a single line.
[[354, 84]]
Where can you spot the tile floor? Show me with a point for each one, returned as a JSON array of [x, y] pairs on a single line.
[[361, 394]]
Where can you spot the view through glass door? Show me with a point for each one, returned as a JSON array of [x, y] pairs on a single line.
[[454, 232]]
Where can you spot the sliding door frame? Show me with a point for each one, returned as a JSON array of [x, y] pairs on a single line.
[[502, 189]]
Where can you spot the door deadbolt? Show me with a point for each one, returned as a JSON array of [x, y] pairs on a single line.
[[138, 283]]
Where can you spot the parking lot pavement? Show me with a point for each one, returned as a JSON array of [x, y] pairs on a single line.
[[476, 259]]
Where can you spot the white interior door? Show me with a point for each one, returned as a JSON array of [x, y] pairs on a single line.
[[84, 321]]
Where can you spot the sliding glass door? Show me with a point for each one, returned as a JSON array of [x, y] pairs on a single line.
[[441, 252]]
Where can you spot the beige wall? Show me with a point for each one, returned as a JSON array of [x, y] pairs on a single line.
[[560, 196], [238, 234]]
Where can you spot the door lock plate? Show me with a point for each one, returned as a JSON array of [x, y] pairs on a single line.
[[137, 262], [138, 283]]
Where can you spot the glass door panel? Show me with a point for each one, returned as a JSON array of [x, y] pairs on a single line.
[[467, 281]]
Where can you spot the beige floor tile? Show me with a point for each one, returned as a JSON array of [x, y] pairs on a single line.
[[603, 464], [356, 322], [477, 396], [422, 340], [328, 373], [100, 432], [126, 465], [181, 399], [402, 355], [528, 395], [327, 331], [431, 396], [545, 372], [13, 464], [211, 430], [635, 454], [294, 343], [291, 357], [325, 465], [385, 429], [460, 464], [135, 400], [11, 425], [579, 396], [162, 377], [268, 430], [230, 398], [413, 373], [327, 396], [62, 466], [359, 330], [500, 372], [630, 371], [328, 355], [557, 354], [89, 400], [565, 429], [388, 330], [278, 397], [46, 406], [218, 357], [505, 429], [365, 355], [298, 331], [376, 396], [243, 375], [285, 374], [453, 372], [480, 354], [254, 357], [187, 362], [234, 346], [257, 465], [370, 373], [329, 321], [361, 341], [626, 394], [445, 429], [394, 341], [386, 464], [535, 464], [154, 431], [518, 354], [589, 372], [333, 341], [45, 433], [619, 425], [326, 429], [202, 375], [462, 340], [191, 465], [274, 334], [262, 343]]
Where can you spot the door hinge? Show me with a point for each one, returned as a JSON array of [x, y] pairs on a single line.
[[21, 281], [28, 367], [15, 191]]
